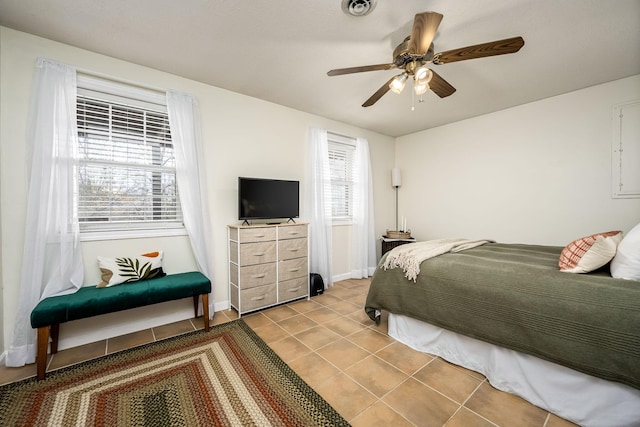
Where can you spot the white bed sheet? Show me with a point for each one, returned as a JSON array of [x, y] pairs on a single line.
[[580, 398]]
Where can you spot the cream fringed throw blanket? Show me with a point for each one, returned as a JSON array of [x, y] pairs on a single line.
[[409, 257]]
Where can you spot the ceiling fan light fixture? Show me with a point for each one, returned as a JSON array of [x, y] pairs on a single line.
[[423, 74], [398, 82], [420, 88]]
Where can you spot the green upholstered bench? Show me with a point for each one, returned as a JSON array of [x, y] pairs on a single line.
[[90, 301]]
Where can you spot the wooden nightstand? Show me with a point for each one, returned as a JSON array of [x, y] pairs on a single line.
[[388, 243]]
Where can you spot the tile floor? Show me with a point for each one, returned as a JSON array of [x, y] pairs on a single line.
[[363, 373]]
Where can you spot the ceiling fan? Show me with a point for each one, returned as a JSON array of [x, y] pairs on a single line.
[[416, 53]]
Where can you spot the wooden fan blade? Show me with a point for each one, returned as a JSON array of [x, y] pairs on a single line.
[[376, 96], [440, 86], [498, 47], [377, 67], [424, 29]]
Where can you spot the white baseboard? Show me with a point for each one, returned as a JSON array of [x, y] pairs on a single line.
[[339, 277]]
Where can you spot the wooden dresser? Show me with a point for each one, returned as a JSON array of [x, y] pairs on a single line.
[[268, 265]]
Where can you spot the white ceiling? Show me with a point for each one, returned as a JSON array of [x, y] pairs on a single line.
[[280, 50]]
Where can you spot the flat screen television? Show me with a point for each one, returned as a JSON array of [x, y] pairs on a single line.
[[260, 198]]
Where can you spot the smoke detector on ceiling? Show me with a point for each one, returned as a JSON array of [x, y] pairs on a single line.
[[358, 7]]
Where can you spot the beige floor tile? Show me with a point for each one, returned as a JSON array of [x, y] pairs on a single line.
[[78, 354], [404, 358], [279, 313], [289, 349], [361, 317], [345, 307], [474, 374], [556, 421], [466, 418], [305, 305], [317, 337], [327, 298], [420, 404], [504, 409], [346, 396], [256, 320], [9, 375], [297, 324], [380, 414], [322, 315], [370, 340], [313, 369], [173, 329], [376, 375], [448, 380], [130, 340], [343, 353], [271, 333], [344, 326]]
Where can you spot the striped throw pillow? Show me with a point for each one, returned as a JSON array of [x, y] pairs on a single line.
[[589, 253]]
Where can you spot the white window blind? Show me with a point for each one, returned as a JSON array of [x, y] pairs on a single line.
[[127, 177], [341, 156]]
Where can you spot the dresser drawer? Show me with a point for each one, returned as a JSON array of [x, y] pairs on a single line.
[[292, 268], [292, 232], [254, 298], [253, 253], [253, 275], [290, 289], [257, 234], [292, 248]]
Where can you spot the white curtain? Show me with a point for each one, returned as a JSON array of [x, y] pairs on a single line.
[[318, 195], [186, 135], [52, 258], [363, 243]]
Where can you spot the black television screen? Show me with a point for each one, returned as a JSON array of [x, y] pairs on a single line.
[[268, 198]]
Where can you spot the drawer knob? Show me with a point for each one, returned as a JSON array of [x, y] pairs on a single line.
[[261, 254], [294, 269], [295, 289], [257, 276], [261, 297], [293, 250]]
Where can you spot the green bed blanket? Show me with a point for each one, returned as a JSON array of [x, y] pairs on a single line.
[[514, 296]]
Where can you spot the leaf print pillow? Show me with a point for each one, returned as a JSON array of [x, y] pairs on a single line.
[[115, 271]]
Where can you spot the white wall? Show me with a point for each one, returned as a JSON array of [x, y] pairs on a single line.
[[243, 136], [538, 173]]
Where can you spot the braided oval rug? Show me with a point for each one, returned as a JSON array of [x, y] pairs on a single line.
[[225, 377]]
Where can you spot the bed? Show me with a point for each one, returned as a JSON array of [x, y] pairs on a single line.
[[510, 302]]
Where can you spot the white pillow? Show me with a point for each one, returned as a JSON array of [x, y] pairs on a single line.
[[115, 271], [626, 263]]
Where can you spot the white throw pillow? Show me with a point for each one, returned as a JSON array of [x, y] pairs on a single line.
[[626, 263], [115, 271]]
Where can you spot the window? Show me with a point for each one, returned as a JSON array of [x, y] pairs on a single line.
[[127, 175], [341, 157]]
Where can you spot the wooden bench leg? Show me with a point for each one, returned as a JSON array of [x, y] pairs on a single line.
[[55, 333], [205, 311], [41, 356], [195, 305]]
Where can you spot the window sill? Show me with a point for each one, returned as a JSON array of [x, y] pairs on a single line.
[[89, 236]]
